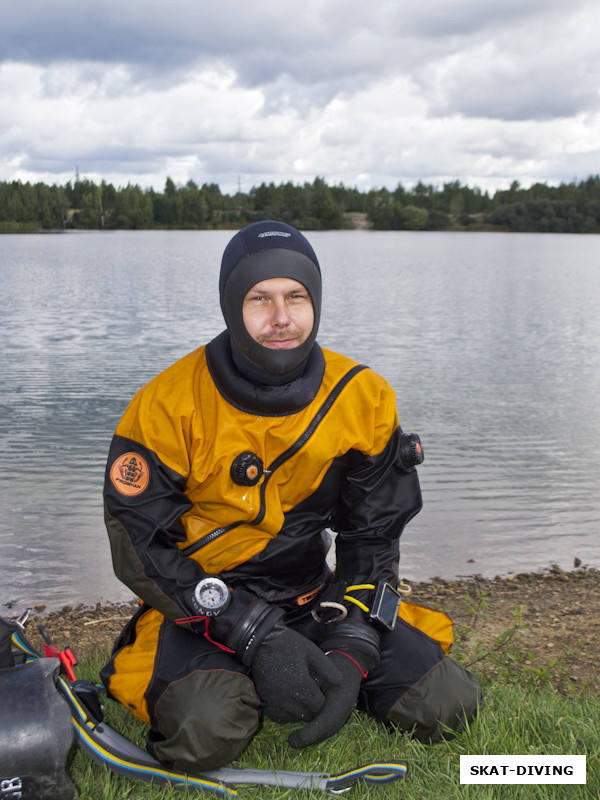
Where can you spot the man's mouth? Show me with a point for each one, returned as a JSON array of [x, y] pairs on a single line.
[[280, 344]]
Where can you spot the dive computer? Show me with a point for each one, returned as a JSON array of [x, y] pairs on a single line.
[[384, 611]]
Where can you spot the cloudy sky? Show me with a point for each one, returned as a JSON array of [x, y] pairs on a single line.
[[368, 94]]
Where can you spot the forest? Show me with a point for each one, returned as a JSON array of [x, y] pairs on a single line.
[[83, 204]]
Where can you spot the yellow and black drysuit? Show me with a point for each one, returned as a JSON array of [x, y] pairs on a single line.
[[235, 462], [174, 514]]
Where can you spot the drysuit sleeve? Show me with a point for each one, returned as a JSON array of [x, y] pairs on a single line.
[[144, 500], [378, 497]]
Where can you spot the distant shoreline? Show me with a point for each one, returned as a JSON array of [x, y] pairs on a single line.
[[568, 208]]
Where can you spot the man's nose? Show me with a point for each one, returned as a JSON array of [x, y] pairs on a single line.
[[281, 314]]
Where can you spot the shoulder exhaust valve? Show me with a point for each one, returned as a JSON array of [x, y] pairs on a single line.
[[411, 450]]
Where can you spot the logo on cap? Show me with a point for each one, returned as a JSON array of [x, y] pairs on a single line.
[[130, 474], [274, 233]]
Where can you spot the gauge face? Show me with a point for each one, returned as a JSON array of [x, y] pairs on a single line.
[[211, 595]]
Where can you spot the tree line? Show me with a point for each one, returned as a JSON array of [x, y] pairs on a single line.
[[568, 208]]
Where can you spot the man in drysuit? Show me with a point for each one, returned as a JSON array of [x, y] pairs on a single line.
[[223, 477]]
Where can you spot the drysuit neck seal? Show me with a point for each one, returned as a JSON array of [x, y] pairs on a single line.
[[259, 398]]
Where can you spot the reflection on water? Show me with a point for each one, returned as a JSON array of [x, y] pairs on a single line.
[[492, 343]]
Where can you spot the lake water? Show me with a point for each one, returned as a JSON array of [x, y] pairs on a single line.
[[491, 341]]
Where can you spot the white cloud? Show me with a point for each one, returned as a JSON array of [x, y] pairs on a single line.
[[521, 73], [366, 95]]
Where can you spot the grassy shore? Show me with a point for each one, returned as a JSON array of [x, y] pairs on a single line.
[[531, 640], [522, 716]]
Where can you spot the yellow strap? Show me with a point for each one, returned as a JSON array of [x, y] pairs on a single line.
[[360, 586], [356, 603]]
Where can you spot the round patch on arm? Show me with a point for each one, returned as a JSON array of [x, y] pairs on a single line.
[[130, 474]]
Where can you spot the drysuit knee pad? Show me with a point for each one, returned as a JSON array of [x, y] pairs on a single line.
[[36, 733]]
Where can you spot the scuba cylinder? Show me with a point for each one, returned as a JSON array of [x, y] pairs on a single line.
[[35, 728]]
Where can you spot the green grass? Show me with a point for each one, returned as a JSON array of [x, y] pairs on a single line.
[[524, 714]]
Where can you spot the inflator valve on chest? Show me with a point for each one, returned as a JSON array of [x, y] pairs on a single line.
[[247, 469]]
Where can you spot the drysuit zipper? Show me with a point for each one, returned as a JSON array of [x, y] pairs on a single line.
[[281, 459]]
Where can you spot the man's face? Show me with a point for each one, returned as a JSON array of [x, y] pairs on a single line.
[[278, 313]]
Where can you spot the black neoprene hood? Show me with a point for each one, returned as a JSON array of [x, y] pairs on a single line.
[[261, 251]]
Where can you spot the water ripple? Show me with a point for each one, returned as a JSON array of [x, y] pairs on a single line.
[[492, 344]]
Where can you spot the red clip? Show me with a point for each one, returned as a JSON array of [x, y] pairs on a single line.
[[66, 656]]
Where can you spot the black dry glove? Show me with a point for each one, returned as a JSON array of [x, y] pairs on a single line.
[[292, 675], [340, 701]]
